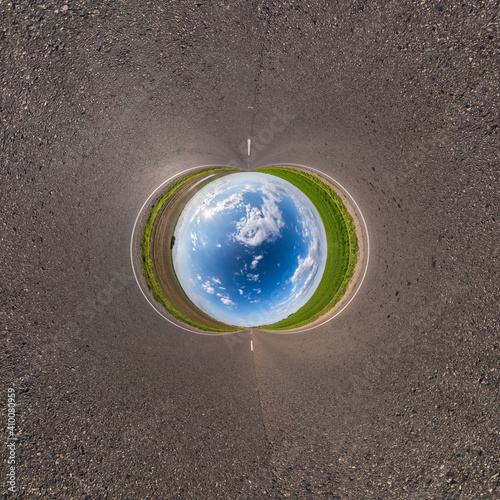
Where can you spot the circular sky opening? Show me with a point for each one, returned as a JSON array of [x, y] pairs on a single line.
[[250, 249]]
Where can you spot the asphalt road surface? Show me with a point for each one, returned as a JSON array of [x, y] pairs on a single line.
[[397, 397]]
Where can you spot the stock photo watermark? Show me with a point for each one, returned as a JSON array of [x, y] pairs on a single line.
[[11, 440]]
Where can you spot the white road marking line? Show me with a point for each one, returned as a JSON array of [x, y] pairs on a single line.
[[249, 142], [251, 345]]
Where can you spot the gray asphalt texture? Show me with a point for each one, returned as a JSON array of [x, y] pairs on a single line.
[[398, 101]]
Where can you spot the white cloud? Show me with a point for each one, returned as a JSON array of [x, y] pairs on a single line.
[[226, 204], [273, 191], [194, 238], [224, 297], [307, 218], [306, 270], [259, 225], [230, 202], [252, 277], [207, 287], [243, 270], [203, 206], [218, 245], [303, 277], [241, 291], [255, 261]]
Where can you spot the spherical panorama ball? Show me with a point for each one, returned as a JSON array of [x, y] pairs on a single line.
[[250, 249]]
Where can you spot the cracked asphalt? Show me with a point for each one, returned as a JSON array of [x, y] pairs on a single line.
[[103, 101]]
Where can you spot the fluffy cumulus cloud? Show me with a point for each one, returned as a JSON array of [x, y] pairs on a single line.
[[230, 202], [208, 288], [259, 225], [225, 298], [272, 191], [255, 261], [209, 284]]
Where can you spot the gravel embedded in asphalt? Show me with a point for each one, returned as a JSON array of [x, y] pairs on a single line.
[[398, 397]]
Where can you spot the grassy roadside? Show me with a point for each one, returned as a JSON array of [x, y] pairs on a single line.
[[147, 264], [342, 244]]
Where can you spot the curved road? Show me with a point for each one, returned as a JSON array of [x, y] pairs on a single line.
[[398, 101]]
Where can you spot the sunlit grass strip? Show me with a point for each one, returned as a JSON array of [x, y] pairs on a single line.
[[342, 247], [147, 265]]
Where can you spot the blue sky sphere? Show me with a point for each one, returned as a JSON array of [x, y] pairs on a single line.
[[250, 249]]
